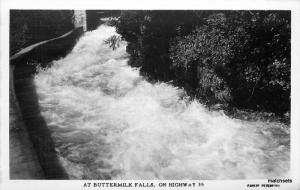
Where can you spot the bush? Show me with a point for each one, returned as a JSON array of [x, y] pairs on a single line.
[[148, 34], [240, 58]]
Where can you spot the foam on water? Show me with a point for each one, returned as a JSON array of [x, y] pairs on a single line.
[[109, 123]]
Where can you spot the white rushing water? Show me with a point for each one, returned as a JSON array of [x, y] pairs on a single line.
[[110, 123]]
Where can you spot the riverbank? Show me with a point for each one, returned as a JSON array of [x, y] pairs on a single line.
[[32, 151], [24, 162]]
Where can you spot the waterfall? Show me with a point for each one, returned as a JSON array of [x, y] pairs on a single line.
[[108, 122]]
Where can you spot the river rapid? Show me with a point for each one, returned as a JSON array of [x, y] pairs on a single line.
[[108, 122]]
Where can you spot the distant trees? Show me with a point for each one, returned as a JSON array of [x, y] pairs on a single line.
[[32, 26], [241, 58]]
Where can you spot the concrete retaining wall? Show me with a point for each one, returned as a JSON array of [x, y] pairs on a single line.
[[32, 152]]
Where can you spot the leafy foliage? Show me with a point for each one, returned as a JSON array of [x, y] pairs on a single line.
[[241, 58], [148, 34], [113, 41], [243, 55]]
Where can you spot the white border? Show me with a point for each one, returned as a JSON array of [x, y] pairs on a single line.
[[293, 5]]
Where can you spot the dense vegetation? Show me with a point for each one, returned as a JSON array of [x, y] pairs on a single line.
[[31, 26], [236, 58]]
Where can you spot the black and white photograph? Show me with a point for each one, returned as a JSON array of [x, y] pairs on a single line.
[[150, 94]]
